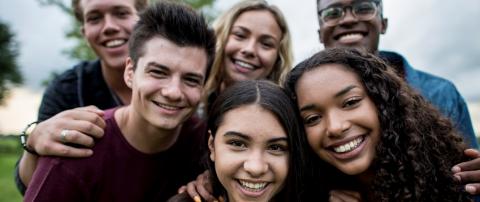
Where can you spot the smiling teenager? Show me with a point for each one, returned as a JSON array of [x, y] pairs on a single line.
[[106, 26], [253, 42], [256, 152], [150, 146], [359, 24], [370, 132]]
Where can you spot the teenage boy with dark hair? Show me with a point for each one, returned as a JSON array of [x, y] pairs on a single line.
[[150, 147], [106, 27]]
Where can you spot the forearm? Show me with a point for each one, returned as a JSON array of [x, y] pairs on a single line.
[[26, 167]]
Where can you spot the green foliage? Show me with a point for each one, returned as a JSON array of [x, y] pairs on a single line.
[[9, 70], [80, 49], [10, 151]]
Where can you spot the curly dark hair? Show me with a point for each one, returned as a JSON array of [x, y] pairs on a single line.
[[418, 145]]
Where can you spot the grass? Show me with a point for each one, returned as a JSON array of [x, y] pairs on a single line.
[[10, 150]]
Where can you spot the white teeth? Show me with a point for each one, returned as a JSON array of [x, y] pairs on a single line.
[[253, 186], [244, 64], [114, 43], [349, 146], [349, 38], [167, 106]]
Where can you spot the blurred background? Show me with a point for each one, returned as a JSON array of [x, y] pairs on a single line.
[[439, 38]]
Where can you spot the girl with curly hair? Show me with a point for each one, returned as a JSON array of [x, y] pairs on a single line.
[[371, 133]]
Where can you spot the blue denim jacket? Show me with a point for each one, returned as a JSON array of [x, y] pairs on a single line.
[[440, 92]]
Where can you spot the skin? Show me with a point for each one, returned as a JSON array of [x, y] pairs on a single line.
[[166, 88], [250, 149], [252, 47], [107, 26], [468, 172], [104, 21], [341, 123], [368, 32]]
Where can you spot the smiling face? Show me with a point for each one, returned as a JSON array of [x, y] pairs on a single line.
[[340, 120], [167, 83], [252, 47], [250, 154], [107, 26], [351, 32]]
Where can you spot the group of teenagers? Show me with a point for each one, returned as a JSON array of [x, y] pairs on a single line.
[[176, 110]]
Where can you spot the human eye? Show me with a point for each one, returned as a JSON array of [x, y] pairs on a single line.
[[93, 18], [268, 44], [193, 81], [159, 73], [237, 144], [278, 148], [239, 35], [363, 8], [332, 13], [352, 102], [122, 13], [311, 120]]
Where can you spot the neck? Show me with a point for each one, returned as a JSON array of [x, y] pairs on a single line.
[[142, 135], [114, 78]]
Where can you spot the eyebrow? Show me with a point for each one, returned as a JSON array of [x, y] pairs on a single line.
[[345, 90], [266, 36], [338, 94], [246, 137], [154, 64], [165, 68]]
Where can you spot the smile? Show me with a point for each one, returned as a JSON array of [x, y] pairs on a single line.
[[167, 107], [244, 65], [115, 43], [350, 37], [253, 186], [349, 146]]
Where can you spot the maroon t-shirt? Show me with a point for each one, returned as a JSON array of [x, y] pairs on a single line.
[[118, 172]]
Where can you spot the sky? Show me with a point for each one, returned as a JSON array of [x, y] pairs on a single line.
[[447, 46]]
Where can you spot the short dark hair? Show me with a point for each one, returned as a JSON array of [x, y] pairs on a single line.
[[418, 146], [176, 22], [78, 10], [272, 98]]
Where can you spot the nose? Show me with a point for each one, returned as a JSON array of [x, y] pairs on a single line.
[[110, 25], [337, 124], [172, 90], [348, 17], [248, 48], [256, 165]]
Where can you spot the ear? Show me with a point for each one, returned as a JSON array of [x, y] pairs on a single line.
[[384, 26], [211, 146], [82, 30], [129, 72]]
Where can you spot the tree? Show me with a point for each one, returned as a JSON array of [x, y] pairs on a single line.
[[9, 70], [81, 51]]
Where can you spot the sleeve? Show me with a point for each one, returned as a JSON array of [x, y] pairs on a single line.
[[52, 181], [60, 95], [463, 122]]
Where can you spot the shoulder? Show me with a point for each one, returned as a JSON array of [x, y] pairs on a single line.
[[69, 78]]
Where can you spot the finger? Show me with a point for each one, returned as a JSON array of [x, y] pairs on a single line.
[[92, 108], [182, 189], [76, 137], [468, 176], [85, 127], [347, 196], [467, 166], [204, 187], [334, 198], [66, 151], [192, 191], [473, 153], [473, 189]]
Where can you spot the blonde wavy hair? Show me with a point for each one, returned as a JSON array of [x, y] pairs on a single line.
[[223, 25]]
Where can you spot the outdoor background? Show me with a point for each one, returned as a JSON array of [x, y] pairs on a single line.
[[440, 38]]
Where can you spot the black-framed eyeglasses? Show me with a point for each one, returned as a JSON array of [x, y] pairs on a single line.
[[361, 10]]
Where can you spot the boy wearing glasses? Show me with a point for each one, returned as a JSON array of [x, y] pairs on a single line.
[[358, 24]]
